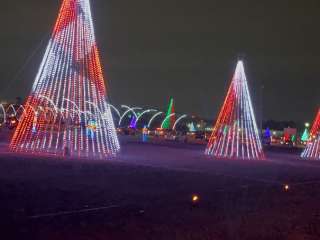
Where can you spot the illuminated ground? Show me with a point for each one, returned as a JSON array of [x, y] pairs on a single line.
[[146, 194]]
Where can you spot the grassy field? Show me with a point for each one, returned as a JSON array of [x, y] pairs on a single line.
[[146, 194]]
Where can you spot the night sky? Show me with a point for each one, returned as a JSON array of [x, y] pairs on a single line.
[[154, 49]]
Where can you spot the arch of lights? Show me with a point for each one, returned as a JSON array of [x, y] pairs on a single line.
[[76, 114]]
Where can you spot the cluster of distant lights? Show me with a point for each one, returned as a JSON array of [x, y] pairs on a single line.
[[70, 82], [235, 133]]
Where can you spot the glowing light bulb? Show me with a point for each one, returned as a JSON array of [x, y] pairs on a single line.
[[195, 199]]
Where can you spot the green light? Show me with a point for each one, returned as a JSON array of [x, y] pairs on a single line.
[[305, 135], [167, 123]]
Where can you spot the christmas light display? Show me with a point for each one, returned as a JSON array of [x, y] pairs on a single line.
[[130, 110], [315, 126], [145, 133], [235, 133], [153, 118], [133, 122], [166, 120], [191, 127], [305, 135], [144, 113], [312, 150], [267, 133], [267, 138], [287, 137], [170, 117], [179, 120], [67, 110]]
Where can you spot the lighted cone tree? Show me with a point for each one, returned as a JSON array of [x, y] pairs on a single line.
[[305, 135], [235, 133], [312, 150], [67, 110]]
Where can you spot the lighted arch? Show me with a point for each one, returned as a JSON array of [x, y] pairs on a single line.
[[178, 120], [115, 109], [143, 113], [95, 106], [23, 112], [166, 118], [73, 103], [4, 113], [153, 118], [126, 112], [13, 109], [50, 101]]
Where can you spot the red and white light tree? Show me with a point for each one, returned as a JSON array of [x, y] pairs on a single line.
[[67, 110], [235, 133], [312, 150]]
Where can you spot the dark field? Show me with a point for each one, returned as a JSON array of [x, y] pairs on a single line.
[[146, 194]]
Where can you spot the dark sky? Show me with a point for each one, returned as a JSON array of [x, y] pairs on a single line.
[[154, 49]]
